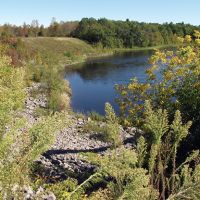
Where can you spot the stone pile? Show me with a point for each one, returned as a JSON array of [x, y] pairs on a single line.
[[63, 158]]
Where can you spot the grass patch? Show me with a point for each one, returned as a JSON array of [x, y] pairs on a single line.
[[95, 116], [116, 50], [66, 50]]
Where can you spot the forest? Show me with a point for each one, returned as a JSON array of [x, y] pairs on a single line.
[[106, 33], [127, 34]]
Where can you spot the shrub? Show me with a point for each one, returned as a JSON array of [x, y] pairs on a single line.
[[151, 171], [108, 131], [20, 144], [163, 141], [49, 73], [95, 116], [172, 83]]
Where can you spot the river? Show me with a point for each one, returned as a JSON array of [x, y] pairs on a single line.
[[93, 82]]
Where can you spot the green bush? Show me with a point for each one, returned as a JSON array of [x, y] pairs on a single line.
[[172, 83], [63, 189], [48, 73], [20, 144], [151, 171], [95, 116]]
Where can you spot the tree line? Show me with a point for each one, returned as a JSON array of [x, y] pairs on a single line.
[[104, 32], [128, 34], [55, 29]]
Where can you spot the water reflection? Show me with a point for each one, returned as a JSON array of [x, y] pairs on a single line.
[[93, 82]]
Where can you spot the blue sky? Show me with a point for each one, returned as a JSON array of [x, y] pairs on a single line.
[[19, 11]]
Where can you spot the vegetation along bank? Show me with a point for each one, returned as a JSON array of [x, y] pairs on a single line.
[[150, 151]]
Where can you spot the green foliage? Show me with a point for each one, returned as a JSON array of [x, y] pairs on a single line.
[[153, 170], [149, 172], [78, 192], [128, 181], [15, 49], [68, 54], [64, 188], [129, 34], [65, 51], [109, 130], [104, 32], [95, 127], [172, 83], [163, 143], [110, 114], [20, 144], [101, 194], [190, 184], [60, 29], [156, 122], [95, 116], [141, 151], [120, 167], [48, 73], [112, 126], [11, 90]]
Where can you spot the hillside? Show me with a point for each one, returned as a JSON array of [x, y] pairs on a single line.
[[65, 50]]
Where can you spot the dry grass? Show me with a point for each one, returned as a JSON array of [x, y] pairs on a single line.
[[65, 50]]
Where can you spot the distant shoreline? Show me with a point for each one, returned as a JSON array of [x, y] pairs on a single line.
[[114, 51]]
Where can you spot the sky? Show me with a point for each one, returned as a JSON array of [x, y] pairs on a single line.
[[20, 11]]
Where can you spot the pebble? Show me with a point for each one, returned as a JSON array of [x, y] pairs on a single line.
[[64, 155]]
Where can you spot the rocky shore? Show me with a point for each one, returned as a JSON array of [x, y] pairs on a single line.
[[63, 158]]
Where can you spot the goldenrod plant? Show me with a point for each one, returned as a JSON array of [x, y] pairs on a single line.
[[20, 143], [172, 83]]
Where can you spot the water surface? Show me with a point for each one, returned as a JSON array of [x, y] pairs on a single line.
[[93, 82]]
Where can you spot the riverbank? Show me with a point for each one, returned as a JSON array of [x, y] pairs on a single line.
[[71, 51], [85, 148], [65, 159], [65, 51], [65, 54], [145, 48], [111, 52]]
